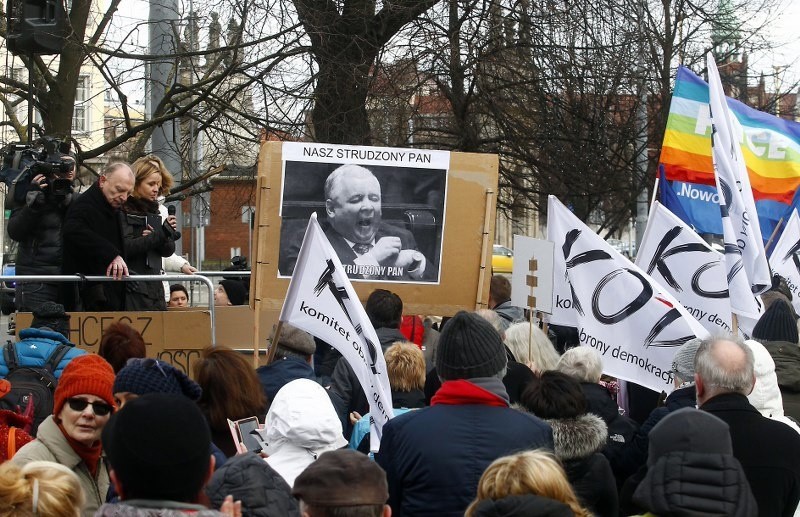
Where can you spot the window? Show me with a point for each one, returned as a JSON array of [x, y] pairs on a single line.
[[80, 113], [246, 211]]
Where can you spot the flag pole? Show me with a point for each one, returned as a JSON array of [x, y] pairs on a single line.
[[774, 234], [530, 334], [484, 249], [273, 341], [655, 192]]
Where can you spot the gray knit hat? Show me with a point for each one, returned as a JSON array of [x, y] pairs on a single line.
[[469, 347], [683, 360]]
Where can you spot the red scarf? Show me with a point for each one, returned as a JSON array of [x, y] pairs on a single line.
[[462, 392], [89, 454]]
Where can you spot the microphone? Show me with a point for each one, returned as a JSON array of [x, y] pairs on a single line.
[[171, 210]]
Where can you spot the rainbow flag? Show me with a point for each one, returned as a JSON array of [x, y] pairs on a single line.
[[771, 148]]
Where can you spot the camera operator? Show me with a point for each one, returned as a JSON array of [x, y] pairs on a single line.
[[37, 226]]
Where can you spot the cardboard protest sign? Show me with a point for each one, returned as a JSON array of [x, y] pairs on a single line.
[[633, 323], [322, 302], [176, 337], [468, 201]]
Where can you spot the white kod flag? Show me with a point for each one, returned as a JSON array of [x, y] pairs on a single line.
[[685, 265], [785, 260], [745, 259], [633, 323], [321, 300]]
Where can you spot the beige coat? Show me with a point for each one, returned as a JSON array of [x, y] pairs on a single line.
[[51, 445]]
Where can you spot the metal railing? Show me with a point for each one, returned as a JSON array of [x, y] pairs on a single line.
[[197, 277]]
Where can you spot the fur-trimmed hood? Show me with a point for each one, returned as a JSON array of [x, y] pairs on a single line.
[[576, 438], [579, 437]]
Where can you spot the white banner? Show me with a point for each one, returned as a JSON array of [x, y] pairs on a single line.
[[785, 260], [633, 323], [745, 259], [685, 265], [321, 300]]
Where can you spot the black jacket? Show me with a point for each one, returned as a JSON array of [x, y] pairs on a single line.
[[37, 227], [92, 239], [768, 450], [577, 442], [621, 429], [144, 254], [248, 478], [693, 483], [522, 506]]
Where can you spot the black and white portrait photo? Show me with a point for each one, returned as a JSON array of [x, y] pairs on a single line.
[[382, 209]]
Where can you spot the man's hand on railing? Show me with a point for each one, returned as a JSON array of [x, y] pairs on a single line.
[[117, 269]]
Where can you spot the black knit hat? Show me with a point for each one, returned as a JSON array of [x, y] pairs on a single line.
[[159, 447], [777, 324], [469, 347], [51, 315], [143, 376], [236, 291]]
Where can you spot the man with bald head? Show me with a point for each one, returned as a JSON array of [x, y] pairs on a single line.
[[93, 242], [768, 450], [367, 247]]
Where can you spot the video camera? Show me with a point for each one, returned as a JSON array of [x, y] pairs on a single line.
[[23, 161]]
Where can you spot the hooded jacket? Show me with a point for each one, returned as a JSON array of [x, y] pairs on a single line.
[[787, 367], [262, 491], [301, 424], [51, 445], [577, 443], [766, 395], [35, 346], [692, 483]]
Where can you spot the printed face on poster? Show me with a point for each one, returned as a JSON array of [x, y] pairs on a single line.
[[382, 209]]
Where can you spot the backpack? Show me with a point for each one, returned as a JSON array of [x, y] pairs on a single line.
[[32, 385]]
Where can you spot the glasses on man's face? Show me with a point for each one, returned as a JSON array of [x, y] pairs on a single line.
[[99, 408]]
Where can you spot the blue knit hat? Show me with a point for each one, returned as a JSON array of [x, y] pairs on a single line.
[[143, 376]]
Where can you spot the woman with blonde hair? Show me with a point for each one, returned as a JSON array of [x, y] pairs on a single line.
[[530, 346], [39, 488], [154, 181], [526, 483]]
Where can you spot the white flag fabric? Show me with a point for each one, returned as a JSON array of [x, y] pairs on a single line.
[[321, 300], [745, 259], [685, 265], [785, 258], [633, 323]]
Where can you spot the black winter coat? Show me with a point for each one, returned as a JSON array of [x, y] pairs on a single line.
[[434, 457], [693, 483], [248, 478], [144, 254], [522, 506], [92, 239], [621, 429], [37, 227], [577, 442], [768, 450]]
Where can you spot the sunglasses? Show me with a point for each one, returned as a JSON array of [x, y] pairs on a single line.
[[99, 408]]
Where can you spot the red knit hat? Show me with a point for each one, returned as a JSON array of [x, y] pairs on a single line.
[[86, 374]]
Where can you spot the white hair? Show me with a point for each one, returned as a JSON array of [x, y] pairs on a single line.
[[541, 353], [582, 363]]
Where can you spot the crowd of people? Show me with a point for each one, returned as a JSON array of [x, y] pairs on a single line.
[[117, 227], [486, 424]]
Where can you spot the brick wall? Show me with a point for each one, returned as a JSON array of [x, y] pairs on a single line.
[[226, 229]]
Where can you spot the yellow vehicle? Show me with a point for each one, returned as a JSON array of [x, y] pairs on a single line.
[[502, 260]]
